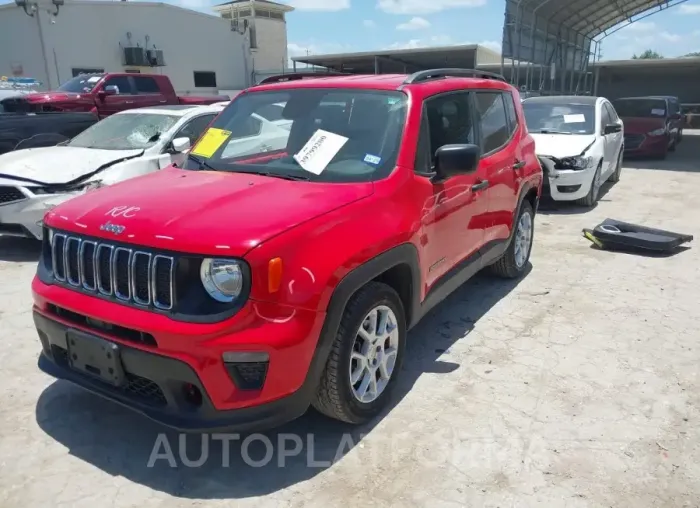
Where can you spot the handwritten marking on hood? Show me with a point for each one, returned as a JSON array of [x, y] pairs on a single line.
[[123, 211]]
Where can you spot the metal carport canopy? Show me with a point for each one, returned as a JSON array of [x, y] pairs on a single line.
[[591, 17]]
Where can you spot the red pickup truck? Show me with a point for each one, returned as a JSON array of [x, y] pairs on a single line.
[[105, 94]]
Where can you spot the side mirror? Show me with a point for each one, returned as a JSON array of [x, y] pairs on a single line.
[[451, 160], [612, 128], [108, 90], [179, 145]]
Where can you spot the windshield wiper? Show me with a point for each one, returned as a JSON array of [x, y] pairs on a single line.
[[201, 163], [277, 175]]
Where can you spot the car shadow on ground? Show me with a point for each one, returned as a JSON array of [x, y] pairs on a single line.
[[122, 443], [548, 206], [19, 250]]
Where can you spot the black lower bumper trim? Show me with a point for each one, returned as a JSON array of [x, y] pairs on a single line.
[[155, 388]]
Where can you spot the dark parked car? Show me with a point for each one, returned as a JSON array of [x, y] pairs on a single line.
[[653, 125], [22, 130]]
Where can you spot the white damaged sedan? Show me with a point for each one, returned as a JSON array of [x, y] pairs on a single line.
[[124, 145], [582, 138]]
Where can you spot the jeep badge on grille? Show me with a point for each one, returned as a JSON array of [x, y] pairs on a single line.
[[112, 228]]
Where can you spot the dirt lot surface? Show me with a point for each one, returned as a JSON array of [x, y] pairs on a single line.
[[577, 386]]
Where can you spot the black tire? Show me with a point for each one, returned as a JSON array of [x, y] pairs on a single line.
[[615, 177], [591, 198], [334, 396], [672, 148], [506, 267]]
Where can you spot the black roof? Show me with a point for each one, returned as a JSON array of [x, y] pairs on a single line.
[[232, 2], [563, 99]]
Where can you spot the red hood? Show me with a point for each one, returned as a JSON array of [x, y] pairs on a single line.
[[642, 125], [44, 97], [202, 212]]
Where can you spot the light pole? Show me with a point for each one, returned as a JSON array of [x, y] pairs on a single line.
[[31, 9]]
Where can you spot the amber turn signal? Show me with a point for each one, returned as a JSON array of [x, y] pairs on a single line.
[[274, 275]]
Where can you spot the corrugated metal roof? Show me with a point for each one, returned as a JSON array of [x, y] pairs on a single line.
[[590, 17]]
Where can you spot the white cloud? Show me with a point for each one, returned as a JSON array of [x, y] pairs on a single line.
[[689, 9], [442, 40], [670, 37], [369, 23], [423, 6], [640, 26], [320, 5], [414, 23], [696, 33]]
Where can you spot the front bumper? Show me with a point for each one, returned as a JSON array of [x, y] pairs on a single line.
[[642, 145], [568, 184], [159, 371], [24, 218]]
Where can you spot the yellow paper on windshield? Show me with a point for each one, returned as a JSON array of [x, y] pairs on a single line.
[[210, 142]]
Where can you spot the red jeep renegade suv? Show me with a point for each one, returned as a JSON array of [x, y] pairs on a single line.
[[314, 223]]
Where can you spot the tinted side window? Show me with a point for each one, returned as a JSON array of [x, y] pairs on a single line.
[[604, 117], [194, 128], [612, 114], [121, 82], [493, 120], [146, 85], [510, 111], [449, 121]]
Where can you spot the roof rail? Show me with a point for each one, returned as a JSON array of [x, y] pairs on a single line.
[[280, 78], [420, 76]]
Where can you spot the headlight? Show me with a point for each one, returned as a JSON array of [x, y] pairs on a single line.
[[222, 279], [657, 132], [578, 162]]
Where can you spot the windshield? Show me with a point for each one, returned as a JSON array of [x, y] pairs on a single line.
[[126, 131], [81, 84], [319, 134], [552, 117], [640, 108]]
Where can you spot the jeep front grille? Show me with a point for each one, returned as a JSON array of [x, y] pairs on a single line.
[[126, 274]]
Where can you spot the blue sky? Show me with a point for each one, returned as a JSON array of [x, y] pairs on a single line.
[[330, 26]]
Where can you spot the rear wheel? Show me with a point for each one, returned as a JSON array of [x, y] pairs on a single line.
[[366, 356], [514, 262], [592, 197]]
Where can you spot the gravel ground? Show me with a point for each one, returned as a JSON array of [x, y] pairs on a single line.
[[575, 387]]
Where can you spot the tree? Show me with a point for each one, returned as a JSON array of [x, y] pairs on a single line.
[[696, 53], [649, 54]]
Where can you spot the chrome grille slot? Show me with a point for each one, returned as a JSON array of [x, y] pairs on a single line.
[[88, 265], [121, 275], [141, 278], [128, 275], [163, 270], [104, 269]]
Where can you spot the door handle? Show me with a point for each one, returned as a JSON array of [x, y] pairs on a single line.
[[480, 186], [519, 164], [163, 102], [128, 102]]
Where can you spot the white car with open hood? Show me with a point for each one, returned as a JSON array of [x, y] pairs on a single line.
[[124, 145], [580, 139]]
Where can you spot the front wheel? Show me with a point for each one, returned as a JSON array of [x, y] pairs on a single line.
[[366, 356], [592, 197], [615, 177], [514, 262]]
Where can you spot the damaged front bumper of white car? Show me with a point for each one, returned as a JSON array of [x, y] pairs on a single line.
[[567, 179], [22, 209]]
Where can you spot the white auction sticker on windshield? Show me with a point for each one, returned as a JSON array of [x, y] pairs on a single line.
[[574, 118], [658, 112], [318, 152]]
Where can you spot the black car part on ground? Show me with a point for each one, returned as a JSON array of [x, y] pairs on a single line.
[[19, 130], [617, 235]]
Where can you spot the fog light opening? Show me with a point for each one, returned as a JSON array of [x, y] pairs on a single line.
[[192, 394]]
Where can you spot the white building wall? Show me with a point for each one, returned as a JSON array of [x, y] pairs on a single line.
[[91, 34], [271, 53]]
